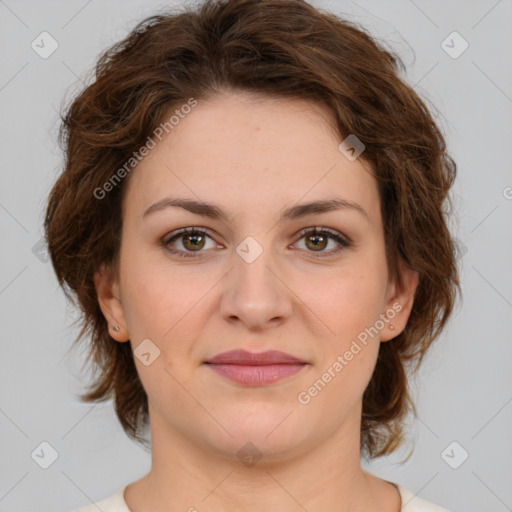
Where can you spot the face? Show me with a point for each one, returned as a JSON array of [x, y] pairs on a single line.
[[252, 274]]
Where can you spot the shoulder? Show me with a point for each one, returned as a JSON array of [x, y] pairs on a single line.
[[114, 503], [413, 503]]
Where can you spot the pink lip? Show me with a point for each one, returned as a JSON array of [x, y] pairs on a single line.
[[255, 369], [243, 357]]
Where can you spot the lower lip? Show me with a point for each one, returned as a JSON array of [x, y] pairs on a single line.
[[256, 375]]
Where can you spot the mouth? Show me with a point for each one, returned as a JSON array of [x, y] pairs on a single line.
[[255, 369]]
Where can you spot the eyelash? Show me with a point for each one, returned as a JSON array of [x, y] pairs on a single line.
[[344, 243]]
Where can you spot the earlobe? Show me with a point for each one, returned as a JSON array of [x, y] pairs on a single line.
[[119, 333], [107, 291], [399, 305]]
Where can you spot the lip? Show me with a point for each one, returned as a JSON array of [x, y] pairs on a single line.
[[243, 357], [255, 369]]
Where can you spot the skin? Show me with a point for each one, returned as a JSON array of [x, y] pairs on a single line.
[[254, 156]]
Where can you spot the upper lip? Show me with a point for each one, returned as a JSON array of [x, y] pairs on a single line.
[[243, 357]]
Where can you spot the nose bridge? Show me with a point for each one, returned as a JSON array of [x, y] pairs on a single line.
[[253, 263], [253, 277], [254, 293]]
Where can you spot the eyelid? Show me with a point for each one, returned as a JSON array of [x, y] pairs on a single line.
[[184, 231], [333, 233], [176, 234]]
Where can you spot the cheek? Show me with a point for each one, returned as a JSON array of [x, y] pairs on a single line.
[[350, 352], [163, 301], [141, 290], [348, 301]]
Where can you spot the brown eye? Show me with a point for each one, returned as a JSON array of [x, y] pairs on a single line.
[[193, 242], [316, 242], [188, 241]]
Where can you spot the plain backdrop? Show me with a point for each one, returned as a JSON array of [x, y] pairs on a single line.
[[462, 439]]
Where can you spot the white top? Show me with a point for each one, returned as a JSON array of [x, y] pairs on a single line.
[[410, 503]]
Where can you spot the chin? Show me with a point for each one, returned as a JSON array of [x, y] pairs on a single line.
[[276, 436]]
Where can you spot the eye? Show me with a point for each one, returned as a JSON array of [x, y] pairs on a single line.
[[189, 241], [317, 239]]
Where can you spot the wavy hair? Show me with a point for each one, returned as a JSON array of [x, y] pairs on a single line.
[[283, 49]]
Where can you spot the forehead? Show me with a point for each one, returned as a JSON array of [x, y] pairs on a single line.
[[252, 152]]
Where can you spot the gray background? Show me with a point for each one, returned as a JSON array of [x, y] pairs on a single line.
[[464, 389]]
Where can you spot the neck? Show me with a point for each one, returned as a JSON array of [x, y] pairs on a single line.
[[326, 476]]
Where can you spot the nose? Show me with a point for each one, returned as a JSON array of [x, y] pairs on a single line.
[[254, 293]]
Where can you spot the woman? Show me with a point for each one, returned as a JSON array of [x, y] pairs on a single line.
[[252, 220]]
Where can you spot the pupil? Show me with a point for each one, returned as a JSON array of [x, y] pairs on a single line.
[[193, 240], [318, 240]]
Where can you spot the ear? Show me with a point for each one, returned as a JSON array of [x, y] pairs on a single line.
[[107, 290], [399, 302]]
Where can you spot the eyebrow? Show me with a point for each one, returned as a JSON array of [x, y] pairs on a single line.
[[295, 212]]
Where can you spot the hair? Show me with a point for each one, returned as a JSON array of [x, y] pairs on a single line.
[[285, 49]]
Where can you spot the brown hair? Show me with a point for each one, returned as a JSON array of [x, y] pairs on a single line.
[[279, 48]]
